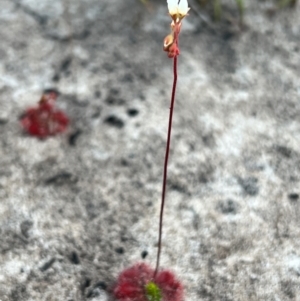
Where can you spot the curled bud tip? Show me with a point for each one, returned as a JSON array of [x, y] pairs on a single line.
[[168, 41]]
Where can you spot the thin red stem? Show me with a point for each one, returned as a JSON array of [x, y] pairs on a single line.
[[166, 163]]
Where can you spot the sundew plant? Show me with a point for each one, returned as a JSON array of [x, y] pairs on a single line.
[[45, 119], [141, 282]]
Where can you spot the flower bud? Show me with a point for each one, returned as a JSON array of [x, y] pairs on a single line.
[[168, 41]]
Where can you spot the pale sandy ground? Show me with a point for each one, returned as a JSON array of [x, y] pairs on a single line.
[[72, 215]]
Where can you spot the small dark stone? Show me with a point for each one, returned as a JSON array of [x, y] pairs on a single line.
[[227, 35], [101, 284], [144, 254], [82, 35], [114, 121], [47, 265], [208, 140], [3, 120], [132, 112], [124, 238], [84, 63], [56, 77], [114, 101], [283, 150], [74, 136], [288, 288], [74, 258], [120, 250], [97, 94], [249, 185], [205, 292], [83, 103], [127, 78], [25, 227], [124, 162], [96, 290], [65, 64], [177, 186], [228, 207], [142, 96], [60, 179], [85, 283], [108, 67], [42, 20], [203, 177], [51, 90], [93, 293], [114, 91], [96, 113], [18, 293], [153, 75], [293, 197]]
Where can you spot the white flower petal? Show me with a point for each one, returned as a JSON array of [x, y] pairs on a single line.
[[172, 6], [183, 7]]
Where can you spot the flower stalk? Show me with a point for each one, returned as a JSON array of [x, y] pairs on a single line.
[[177, 10], [140, 282], [165, 175]]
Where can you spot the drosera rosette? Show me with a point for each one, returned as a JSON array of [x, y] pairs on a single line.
[[45, 119], [140, 282]]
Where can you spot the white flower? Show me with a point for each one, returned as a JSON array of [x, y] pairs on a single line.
[[178, 8]]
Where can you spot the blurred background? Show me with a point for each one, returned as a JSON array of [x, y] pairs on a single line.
[[78, 207]]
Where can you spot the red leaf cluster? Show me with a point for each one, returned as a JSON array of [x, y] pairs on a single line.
[[131, 284], [45, 119]]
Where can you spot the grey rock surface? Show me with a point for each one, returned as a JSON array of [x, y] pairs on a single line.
[[78, 208]]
